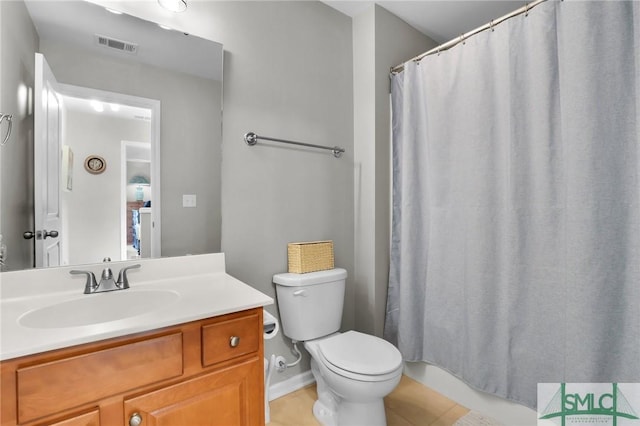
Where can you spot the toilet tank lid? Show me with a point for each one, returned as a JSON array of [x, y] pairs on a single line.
[[310, 278]]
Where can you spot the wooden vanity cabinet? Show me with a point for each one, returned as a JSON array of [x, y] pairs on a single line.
[[207, 372]]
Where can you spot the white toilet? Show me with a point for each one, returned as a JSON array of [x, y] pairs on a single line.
[[353, 371]]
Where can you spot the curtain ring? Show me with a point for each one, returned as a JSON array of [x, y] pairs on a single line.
[[491, 26], [526, 10], [9, 119], [462, 39]]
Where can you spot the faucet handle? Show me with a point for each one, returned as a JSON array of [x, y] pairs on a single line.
[[91, 283], [123, 281]]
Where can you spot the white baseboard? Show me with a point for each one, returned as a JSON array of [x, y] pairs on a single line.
[[291, 384], [507, 412]]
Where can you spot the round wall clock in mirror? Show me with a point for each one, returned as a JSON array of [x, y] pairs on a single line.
[[95, 164]]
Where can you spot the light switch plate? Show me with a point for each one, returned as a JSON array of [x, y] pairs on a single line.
[[188, 200]]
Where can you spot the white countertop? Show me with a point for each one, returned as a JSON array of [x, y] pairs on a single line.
[[204, 290]]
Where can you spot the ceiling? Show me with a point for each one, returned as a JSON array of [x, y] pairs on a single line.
[[441, 20], [108, 109], [80, 23]]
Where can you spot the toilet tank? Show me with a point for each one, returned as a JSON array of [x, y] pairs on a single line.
[[310, 304]]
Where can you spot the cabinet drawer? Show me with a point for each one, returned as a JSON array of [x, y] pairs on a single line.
[[58, 385], [231, 338]]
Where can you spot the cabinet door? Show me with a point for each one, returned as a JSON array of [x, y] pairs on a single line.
[[228, 397]]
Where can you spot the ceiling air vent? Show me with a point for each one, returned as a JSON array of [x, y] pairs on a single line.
[[123, 46]]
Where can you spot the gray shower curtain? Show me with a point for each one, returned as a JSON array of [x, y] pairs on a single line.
[[516, 202]]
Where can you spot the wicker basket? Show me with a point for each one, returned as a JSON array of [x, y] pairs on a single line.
[[310, 256]]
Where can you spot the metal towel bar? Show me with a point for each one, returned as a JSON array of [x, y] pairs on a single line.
[[252, 139]]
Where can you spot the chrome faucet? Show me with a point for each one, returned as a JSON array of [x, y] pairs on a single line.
[[107, 283]]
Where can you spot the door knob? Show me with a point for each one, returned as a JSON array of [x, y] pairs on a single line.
[[40, 234], [52, 234]]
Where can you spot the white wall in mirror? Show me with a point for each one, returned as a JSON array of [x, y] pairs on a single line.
[[92, 232]]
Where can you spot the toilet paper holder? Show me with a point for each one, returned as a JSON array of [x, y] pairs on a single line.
[[270, 325]]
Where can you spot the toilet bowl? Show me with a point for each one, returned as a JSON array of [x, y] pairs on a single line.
[[353, 371]]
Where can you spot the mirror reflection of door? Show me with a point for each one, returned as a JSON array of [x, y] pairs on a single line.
[[47, 136]]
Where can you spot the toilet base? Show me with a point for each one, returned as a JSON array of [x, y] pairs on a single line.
[[351, 413], [325, 415], [332, 410], [325, 409], [362, 414]]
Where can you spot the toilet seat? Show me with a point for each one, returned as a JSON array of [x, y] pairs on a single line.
[[360, 356]]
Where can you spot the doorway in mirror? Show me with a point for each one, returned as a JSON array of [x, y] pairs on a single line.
[[137, 199]]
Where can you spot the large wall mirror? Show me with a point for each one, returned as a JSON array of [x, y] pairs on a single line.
[[118, 128]]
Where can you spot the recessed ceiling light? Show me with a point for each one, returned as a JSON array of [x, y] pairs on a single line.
[[164, 27], [97, 106], [174, 5], [115, 12], [114, 107]]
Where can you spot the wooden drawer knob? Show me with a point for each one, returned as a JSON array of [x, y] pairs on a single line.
[[234, 341], [135, 420]]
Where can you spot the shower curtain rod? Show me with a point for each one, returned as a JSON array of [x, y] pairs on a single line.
[[451, 43]]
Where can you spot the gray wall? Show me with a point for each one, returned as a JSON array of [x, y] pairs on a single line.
[[381, 40], [287, 75], [19, 42], [190, 138]]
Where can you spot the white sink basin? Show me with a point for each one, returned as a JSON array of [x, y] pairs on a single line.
[[98, 308]]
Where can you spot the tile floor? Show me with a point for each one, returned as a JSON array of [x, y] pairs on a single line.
[[410, 404]]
